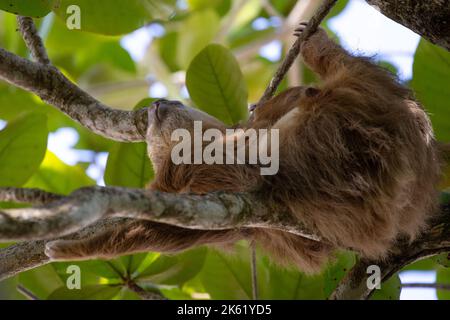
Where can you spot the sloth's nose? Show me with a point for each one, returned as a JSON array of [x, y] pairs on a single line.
[[163, 107], [166, 103]]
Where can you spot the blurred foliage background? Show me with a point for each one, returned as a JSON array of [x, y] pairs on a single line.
[[206, 53]]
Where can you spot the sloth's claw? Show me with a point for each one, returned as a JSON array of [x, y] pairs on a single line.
[[298, 31]]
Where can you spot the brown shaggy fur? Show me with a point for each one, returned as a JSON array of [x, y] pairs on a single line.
[[358, 164]]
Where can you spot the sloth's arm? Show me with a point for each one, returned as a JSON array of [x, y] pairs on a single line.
[[330, 60]]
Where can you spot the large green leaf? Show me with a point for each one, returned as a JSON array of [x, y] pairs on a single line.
[[93, 292], [443, 277], [216, 84], [13, 101], [431, 82], [175, 270], [8, 290], [334, 273], [56, 176], [443, 259], [41, 281], [227, 276], [206, 24], [337, 8], [91, 271], [390, 290], [248, 10], [113, 17], [22, 148], [128, 164], [33, 8], [276, 282]]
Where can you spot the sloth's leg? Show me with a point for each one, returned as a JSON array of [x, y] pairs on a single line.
[[136, 236]]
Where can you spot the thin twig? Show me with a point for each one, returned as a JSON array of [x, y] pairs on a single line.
[[143, 294], [27, 293], [295, 49], [440, 286], [254, 271], [32, 39]]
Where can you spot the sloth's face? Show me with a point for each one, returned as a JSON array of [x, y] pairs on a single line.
[[165, 117]]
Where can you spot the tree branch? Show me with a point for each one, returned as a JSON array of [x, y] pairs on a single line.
[[54, 88], [430, 19], [32, 39], [439, 286], [215, 211], [295, 49], [433, 242], [33, 196]]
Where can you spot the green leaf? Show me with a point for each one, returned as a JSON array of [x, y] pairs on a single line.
[[141, 262], [431, 83], [94, 292], [34, 8], [227, 276], [13, 101], [443, 260], [288, 283], [216, 84], [8, 290], [206, 24], [128, 164], [336, 271], [175, 270], [109, 52], [133, 265], [443, 277], [390, 290], [56, 176], [114, 17], [91, 271], [22, 148], [175, 294], [337, 9], [246, 13], [41, 281], [424, 264], [221, 6], [167, 48]]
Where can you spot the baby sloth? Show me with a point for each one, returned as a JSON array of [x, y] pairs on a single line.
[[357, 163]]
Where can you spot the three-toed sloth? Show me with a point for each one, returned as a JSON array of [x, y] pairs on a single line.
[[358, 164]]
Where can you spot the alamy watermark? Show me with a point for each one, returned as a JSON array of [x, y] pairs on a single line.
[[236, 146], [73, 21], [73, 281], [374, 280]]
